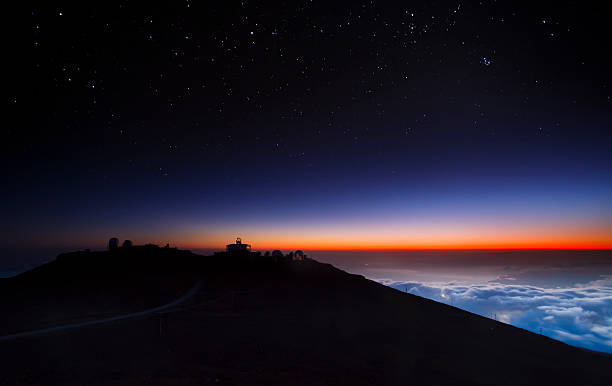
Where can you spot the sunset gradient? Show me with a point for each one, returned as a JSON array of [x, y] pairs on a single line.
[[355, 233]]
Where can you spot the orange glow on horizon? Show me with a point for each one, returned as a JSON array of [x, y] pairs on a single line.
[[365, 236], [410, 248], [339, 246], [586, 239], [581, 236]]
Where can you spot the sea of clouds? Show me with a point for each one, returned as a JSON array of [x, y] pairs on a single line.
[[579, 315]]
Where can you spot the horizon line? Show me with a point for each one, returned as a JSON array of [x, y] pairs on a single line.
[[586, 248], [366, 249]]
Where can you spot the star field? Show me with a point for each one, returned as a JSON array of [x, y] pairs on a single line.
[[117, 104]]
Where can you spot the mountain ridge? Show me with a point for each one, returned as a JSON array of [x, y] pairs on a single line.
[[261, 321]]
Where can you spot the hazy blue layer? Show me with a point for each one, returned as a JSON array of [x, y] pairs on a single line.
[[16, 260]]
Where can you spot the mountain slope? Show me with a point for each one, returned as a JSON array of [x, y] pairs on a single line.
[[262, 322]]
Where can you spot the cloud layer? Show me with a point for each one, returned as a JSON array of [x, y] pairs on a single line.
[[580, 316]]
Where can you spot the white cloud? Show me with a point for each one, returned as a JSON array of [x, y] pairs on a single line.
[[581, 315]]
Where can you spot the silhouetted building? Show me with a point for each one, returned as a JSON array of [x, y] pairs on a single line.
[[113, 243], [127, 244], [238, 247]]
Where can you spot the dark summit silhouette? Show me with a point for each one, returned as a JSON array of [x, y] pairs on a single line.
[[165, 316]]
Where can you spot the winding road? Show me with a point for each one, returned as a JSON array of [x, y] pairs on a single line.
[[180, 300]]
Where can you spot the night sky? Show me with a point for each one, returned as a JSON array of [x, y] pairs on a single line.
[[312, 125]]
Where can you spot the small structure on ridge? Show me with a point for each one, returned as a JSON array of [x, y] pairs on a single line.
[[113, 243], [238, 247]]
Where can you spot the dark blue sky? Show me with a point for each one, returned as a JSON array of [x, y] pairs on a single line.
[[346, 124]]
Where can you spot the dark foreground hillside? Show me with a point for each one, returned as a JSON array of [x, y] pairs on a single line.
[[258, 322]]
